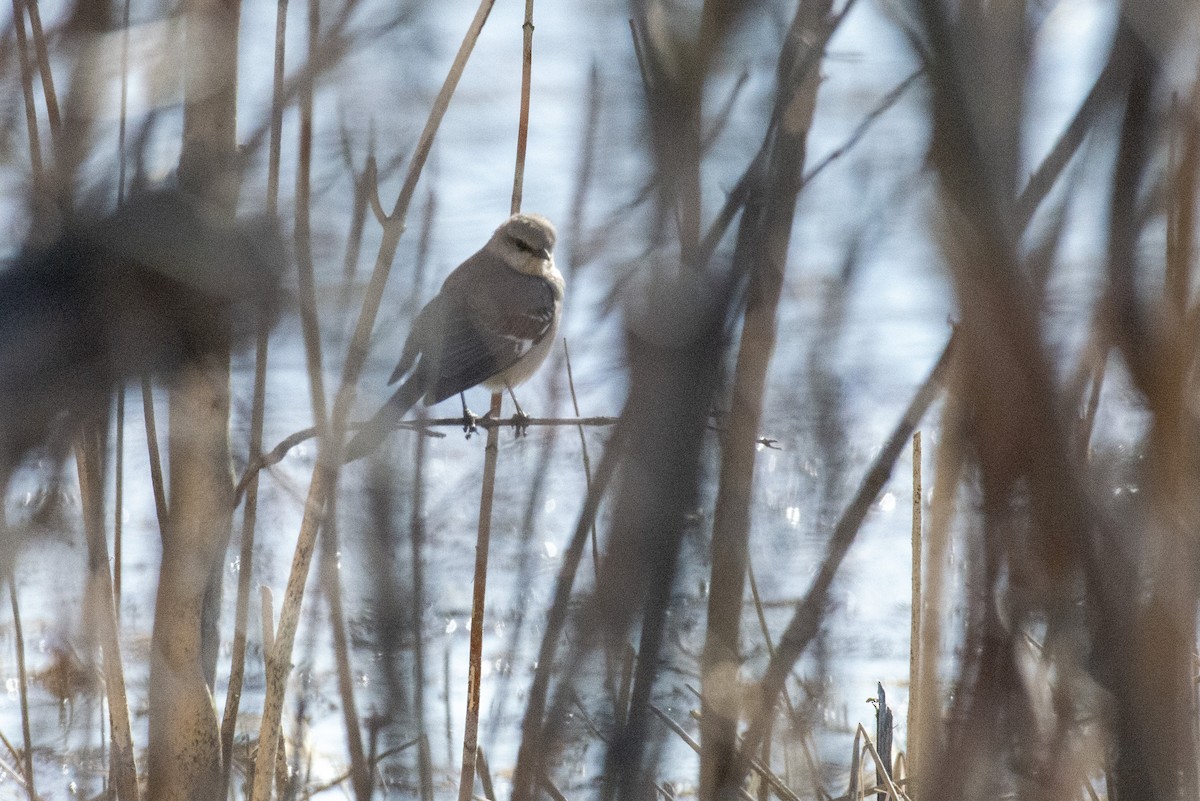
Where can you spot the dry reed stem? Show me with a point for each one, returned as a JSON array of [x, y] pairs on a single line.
[[245, 561], [257, 418], [88, 460], [881, 768], [466, 781], [118, 500], [275, 147], [417, 541], [575, 258], [47, 76], [890, 99], [22, 686], [763, 240], [761, 767], [552, 789], [689, 741], [485, 774], [155, 456], [310, 325], [123, 103], [523, 130], [31, 125], [761, 614], [583, 450], [914, 638], [948, 471], [323, 480], [491, 459], [14, 774]]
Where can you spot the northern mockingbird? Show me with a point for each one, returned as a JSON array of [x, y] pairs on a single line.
[[493, 323]]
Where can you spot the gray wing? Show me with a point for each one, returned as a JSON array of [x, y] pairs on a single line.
[[489, 326]]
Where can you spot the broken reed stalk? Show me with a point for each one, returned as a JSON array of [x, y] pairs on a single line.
[[237, 668], [466, 784], [279, 658], [914, 640], [22, 686]]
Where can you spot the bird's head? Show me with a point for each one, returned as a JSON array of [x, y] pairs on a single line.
[[526, 241]]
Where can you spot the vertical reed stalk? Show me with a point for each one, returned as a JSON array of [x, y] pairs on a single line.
[[914, 640], [257, 417], [466, 779], [466, 783], [310, 322], [22, 686], [89, 461], [118, 498], [185, 739], [417, 539], [948, 471]]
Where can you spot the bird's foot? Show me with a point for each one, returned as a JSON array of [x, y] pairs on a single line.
[[521, 422], [470, 422]]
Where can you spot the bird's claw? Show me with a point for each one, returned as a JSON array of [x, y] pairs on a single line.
[[521, 422], [470, 422]]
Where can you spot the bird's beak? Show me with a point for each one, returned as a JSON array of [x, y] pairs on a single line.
[[545, 253]]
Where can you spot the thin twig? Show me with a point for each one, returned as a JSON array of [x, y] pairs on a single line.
[[43, 59], [889, 100], [22, 685], [31, 126], [690, 742], [152, 450], [587, 462]]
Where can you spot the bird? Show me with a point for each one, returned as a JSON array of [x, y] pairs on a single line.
[[493, 323]]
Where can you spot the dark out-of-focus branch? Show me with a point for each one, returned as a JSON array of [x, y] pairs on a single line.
[[763, 239]]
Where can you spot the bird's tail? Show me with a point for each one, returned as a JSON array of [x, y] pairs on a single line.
[[373, 432]]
